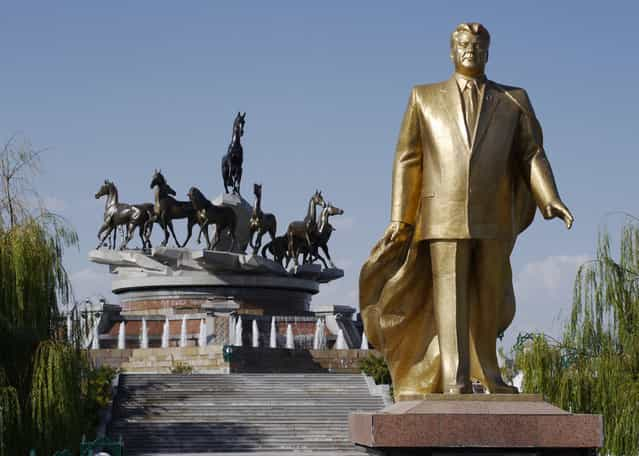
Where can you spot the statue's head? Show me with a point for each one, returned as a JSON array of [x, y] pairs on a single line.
[[238, 124], [104, 189], [469, 48], [318, 199], [158, 179], [194, 194]]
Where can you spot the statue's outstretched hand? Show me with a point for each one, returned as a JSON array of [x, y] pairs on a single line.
[[558, 209], [397, 232]]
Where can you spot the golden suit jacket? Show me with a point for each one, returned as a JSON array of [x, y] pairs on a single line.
[[468, 190]]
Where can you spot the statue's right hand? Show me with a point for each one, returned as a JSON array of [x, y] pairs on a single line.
[[397, 232]]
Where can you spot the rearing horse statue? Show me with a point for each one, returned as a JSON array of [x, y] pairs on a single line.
[[232, 161]]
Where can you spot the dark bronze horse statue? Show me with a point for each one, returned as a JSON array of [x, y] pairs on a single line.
[[223, 217], [319, 239], [117, 214], [232, 161], [299, 232], [166, 209], [260, 222]]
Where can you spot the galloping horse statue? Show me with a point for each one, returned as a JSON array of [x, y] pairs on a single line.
[[223, 217], [166, 209], [260, 222], [299, 232], [232, 161], [118, 214], [319, 239]]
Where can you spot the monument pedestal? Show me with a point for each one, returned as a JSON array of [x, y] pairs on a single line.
[[476, 425]]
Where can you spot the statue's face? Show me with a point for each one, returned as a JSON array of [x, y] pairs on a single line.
[[469, 54]]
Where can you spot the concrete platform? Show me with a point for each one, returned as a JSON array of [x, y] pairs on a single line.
[[477, 424]]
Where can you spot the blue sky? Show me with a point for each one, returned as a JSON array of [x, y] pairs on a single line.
[[114, 90]]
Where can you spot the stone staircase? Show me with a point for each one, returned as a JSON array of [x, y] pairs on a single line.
[[239, 413]]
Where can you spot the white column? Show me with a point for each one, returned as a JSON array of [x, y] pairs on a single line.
[[202, 339], [183, 333], [255, 334], [364, 345], [321, 335], [340, 344], [166, 333], [95, 342], [316, 335], [122, 336], [238, 332], [145, 336], [273, 338], [231, 330], [290, 342]]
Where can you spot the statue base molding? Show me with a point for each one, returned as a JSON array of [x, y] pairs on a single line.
[[476, 424]]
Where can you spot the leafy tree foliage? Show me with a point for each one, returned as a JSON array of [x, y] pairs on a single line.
[[594, 368], [376, 367], [46, 397]]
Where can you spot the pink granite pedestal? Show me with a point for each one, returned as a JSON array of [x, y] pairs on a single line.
[[476, 425]]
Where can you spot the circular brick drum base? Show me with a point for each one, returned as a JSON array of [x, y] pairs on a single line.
[[193, 292]]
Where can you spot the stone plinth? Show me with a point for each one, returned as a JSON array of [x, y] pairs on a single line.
[[477, 425]]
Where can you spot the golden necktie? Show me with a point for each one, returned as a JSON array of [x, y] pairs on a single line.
[[470, 107]]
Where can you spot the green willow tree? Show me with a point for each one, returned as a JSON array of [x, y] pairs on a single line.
[[40, 373], [594, 368]]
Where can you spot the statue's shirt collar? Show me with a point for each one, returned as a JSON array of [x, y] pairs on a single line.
[[463, 80]]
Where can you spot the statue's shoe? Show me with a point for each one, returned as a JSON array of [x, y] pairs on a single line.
[[502, 388], [466, 388]]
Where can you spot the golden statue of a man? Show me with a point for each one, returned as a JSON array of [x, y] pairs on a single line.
[[469, 167]]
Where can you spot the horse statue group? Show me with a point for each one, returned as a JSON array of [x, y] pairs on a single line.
[[305, 237], [164, 209]]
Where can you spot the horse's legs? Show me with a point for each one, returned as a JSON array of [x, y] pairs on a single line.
[[291, 250], [141, 233], [103, 228], [238, 180], [148, 230], [129, 234], [164, 224], [173, 233], [232, 236], [189, 228], [258, 241], [204, 228], [325, 250], [206, 235]]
